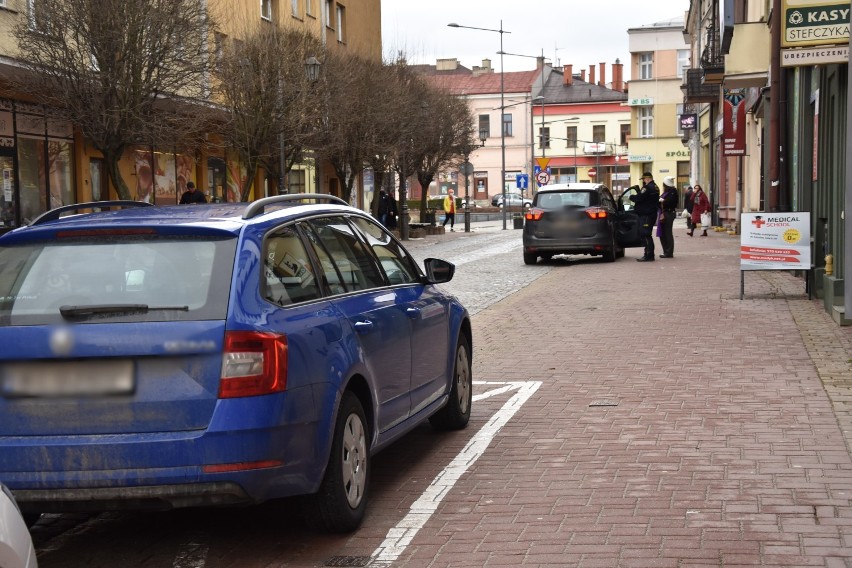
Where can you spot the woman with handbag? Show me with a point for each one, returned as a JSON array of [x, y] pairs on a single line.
[[700, 206]]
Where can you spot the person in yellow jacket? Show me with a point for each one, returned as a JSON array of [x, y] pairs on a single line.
[[450, 209]]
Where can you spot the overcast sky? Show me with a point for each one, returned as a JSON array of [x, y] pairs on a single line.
[[577, 32]]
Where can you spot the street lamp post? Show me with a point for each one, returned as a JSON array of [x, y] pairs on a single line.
[[312, 72], [501, 31], [467, 169]]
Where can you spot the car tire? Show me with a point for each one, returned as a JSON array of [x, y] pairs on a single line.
[[612, 252], [341, 502], [530, 258], [456, 413]]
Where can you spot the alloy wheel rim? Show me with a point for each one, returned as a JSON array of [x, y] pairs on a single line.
[[354, 460]]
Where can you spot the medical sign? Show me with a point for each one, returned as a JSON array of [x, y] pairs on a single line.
[[775, 241], [814, 22]]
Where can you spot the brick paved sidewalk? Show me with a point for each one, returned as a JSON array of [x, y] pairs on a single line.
[[676, 424]]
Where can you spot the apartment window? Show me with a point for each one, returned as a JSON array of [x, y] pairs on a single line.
[[329, 8], [266, 9], [544, 137], [309, 8], [485, 124], [599, 133], [341, 23], [571, 137], [39, 16], [625, 135], [646, 122], [2, 3], [682, 61], [294, 4], [646, 65], [219, 49], [507, 124], [296, 181]]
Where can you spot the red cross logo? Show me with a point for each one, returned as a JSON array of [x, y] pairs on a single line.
[[758, 222]]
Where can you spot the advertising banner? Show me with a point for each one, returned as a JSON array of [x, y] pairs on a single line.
[[734, 123], [775, 241]]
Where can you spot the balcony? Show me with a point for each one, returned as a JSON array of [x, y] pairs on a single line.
[[747, 62], [696, 90], [712, 60]]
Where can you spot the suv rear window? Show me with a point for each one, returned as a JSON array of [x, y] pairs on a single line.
[[560, 199], [36, 280]]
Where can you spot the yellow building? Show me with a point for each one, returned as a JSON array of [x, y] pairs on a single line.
[[659, 56], [46, 163]]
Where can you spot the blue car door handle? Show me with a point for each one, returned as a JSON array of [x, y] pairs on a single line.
[[413, 313], [363, 326]]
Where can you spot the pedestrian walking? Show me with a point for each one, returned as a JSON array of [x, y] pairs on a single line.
[[383, 208], [700, 205], [646, 202], [687, 206], [392, 212], [450, 209], [192, 195], [666, 216]]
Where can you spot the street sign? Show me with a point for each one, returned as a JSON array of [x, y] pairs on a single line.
[[543, 178], [592, 172], [466, 168], [542, 162], [522, 181]]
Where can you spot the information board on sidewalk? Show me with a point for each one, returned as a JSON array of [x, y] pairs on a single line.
[[774, 241]]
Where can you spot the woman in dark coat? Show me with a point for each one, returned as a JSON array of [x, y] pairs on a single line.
[[700, 204]]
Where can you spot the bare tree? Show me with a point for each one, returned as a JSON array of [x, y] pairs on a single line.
[[351, 102], [263, 84], [122, 71], [445, 130]]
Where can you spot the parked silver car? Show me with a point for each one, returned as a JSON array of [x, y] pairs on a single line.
[[512, 200]]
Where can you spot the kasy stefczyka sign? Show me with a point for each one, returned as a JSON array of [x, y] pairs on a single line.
[[814, 22]]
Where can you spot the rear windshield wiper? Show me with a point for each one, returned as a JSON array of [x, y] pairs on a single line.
[[108, 309]]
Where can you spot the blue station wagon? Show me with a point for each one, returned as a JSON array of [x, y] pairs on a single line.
[[158, 357]]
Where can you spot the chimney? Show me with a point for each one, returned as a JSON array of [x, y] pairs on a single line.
[[539, 62], [583, 75], [567, 77], [602, 80], [591, 74], [618, 76]]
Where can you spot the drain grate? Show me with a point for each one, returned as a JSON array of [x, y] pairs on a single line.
[[604, 402], [348, 561]]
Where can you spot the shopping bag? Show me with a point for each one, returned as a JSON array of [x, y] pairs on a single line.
[[705, 219], [685, 214]]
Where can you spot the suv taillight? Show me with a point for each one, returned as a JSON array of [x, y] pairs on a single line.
[[533, 214], [253, 364], [596, 213]]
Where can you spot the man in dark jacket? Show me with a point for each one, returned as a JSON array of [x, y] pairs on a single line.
[[192, 195], [647, 201]]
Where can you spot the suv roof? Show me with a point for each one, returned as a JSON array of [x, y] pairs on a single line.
[[577, 185]]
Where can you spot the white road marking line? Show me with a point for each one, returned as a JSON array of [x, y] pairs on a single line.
[[400, 536], [192, 554], [495, 392]]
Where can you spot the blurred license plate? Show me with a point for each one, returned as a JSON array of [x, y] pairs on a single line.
[[68, 379]]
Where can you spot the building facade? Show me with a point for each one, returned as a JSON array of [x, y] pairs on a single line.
[[770, 85], [659, 57], [46, 163]]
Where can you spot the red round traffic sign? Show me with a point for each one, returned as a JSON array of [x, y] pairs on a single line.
[[592, 172]]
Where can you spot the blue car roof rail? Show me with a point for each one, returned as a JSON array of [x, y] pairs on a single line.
[[258, 207], [54, 214]]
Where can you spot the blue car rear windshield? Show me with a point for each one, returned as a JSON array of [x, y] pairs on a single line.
[[188, 277]]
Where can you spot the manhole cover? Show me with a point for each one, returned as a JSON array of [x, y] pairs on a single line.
[[348, 561], [604, 402]]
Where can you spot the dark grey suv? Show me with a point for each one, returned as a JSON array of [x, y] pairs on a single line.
[[579, 218]]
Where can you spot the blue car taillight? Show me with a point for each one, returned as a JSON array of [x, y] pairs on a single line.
[[253, 364]]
